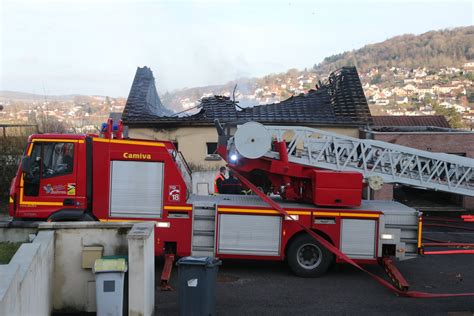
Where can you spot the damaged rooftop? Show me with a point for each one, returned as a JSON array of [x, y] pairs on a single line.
[[338, 101]]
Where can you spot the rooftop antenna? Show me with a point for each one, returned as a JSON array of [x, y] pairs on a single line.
[[45, 113], [233, 98]]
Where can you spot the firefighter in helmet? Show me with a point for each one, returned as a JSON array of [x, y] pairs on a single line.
[[231, 185], [219, 179]]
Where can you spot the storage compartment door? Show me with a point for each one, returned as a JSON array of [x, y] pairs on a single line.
[[136, 189], [249, 234], [358, 238]]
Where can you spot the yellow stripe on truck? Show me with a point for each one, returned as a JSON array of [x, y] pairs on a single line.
[[34, 203], [52, 140], [128, 142], [121, 220], [178, 208], [345, 214], [420, 226], [257, 211]]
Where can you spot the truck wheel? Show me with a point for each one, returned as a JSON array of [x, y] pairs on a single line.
[[307, 258], [88, 218], [70, 216]]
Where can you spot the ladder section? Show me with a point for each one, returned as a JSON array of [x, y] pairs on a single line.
[[393, 163], [204, 228]]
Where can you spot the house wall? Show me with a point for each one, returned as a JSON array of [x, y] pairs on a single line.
[[444, 142], [192, 141]]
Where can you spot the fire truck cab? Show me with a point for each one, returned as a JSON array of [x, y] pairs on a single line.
[[86, 177]]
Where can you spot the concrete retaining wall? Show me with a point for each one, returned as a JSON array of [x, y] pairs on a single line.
[[47, 274], [74, 287], [17, 232], [25, 283]]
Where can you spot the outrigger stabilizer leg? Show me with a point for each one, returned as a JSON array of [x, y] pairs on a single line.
[[394, 274], [166, 273]]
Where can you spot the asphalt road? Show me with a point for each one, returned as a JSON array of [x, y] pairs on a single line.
[[269, 288]]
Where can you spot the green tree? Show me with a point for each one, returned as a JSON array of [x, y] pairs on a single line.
[[469, 76], [453, 117], [377, 79]]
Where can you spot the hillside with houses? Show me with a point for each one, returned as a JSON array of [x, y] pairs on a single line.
[[439, 81], [390, 91]]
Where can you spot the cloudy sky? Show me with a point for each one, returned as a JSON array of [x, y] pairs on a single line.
[[94, 47]]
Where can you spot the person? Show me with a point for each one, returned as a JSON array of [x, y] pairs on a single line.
[[56, 159], [220, 177], [231, 185], [67, 161]]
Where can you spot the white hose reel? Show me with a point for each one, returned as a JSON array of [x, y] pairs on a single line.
[[252, 140]]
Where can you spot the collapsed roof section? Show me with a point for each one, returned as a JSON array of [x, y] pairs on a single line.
[[143, 100], [339, 101]]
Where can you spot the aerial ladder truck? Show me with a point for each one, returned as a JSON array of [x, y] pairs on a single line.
[[307, 181]]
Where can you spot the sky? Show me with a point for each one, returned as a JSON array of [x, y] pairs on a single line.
[[93, 47]]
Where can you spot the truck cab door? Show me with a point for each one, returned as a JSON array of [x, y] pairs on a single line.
[[50, 183]]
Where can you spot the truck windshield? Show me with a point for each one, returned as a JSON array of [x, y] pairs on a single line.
[[48, 159], [57, 158]]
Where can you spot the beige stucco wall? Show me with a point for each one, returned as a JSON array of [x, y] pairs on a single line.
[[192, 141]]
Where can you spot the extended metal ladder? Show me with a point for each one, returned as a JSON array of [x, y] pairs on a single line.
[[392, 163]]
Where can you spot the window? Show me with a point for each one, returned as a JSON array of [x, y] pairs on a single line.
[[48, 160], [211, 148], [57, 159], [175, 144]]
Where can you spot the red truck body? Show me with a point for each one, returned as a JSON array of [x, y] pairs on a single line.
[[109, 179]]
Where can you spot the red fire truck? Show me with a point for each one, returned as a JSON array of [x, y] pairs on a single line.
[[315, 176]]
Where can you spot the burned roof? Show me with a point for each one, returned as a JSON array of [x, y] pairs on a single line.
[[143, 100], [409, 121], [338, 101]]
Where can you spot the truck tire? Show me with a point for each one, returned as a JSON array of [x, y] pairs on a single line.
[[307, 258], [88, 218], [71, 215]]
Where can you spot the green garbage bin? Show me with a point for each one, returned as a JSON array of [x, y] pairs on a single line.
[[197, 285], [109, 285]]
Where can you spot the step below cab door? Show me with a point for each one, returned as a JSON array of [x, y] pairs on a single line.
[[49, 183]]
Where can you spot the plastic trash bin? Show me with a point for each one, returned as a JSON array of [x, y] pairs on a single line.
[[197, 285], [109, 280]]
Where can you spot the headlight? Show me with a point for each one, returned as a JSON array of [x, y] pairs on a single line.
[[233, 157]]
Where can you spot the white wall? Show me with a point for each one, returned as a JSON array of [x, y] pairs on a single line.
[[141, 279], [25, 283], [47, 274], [203, 182]]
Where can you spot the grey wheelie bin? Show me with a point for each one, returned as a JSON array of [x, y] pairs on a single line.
[[109, 286], [197, 285]]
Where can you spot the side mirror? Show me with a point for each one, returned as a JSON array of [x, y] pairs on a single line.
[[26, 164]]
